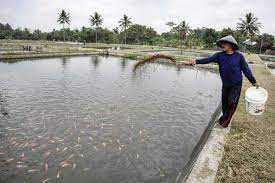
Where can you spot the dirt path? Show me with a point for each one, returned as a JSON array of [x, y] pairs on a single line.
[[249, 154]]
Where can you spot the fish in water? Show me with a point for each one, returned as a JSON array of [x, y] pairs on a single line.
[[46, 167], [118, 141], [46, 180], [21, 166], [70, 157], [65, 148], [86, 169], [10, 160], [52, 141], [47, 154], [58, 173], [65, 164], [33, 170]]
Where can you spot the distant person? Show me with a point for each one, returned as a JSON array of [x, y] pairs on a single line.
[[231, 65]]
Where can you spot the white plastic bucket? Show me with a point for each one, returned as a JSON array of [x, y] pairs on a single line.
[[255, 99]]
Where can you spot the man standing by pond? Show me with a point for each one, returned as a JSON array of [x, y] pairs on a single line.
[[231, 66]]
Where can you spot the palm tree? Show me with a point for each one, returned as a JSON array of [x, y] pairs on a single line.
[[64, 18], [182, 29], [116, 34], [96, 20], [116, 30], [125, 22], [249, 26], [170, 24]]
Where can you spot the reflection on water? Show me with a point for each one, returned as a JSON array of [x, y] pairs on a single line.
[[3, 106], [123, 63], [90, 119], [95, 61], [64, 62]]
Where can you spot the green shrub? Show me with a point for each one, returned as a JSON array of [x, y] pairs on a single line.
[[132, 56]]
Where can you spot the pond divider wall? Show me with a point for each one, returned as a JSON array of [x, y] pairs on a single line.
[[183, 176]]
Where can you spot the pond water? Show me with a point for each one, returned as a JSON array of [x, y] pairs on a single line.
[[272, 70], [91, 119]]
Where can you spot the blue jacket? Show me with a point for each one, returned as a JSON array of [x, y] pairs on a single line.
[[231, 67]]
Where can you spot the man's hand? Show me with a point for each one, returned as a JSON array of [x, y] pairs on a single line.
[[256, 85], [190, 62]]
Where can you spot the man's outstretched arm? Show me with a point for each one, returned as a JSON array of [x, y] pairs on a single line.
[[207, 60]]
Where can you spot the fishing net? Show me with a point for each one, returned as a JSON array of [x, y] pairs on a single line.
[[153, 59]]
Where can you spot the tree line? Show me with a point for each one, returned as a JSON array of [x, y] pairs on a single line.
[[127, 32]]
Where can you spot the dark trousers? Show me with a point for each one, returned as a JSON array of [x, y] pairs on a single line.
[[230, 99]]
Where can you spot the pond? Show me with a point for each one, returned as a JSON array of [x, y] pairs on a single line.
[[91, 119], [270, 65]]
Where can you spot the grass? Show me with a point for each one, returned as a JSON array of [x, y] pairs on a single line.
[[132, 56], [249, 154], [10, 49]]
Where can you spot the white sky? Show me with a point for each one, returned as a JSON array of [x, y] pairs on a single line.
[[218, 14]]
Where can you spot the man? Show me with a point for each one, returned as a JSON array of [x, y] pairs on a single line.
[[231, 65]]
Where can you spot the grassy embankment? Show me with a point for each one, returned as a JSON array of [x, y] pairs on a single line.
[[12, 49], [249, 154]]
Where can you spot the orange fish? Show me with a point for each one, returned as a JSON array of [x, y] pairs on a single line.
[[47, 154], [65, 148], [70, 157], [23, 157], [33, 170], [86, 169], [46, 180], [65, 163], [46, 167], [10, 160], [58, 174]]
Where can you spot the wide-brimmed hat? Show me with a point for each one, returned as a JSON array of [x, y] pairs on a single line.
[[228, 39]]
